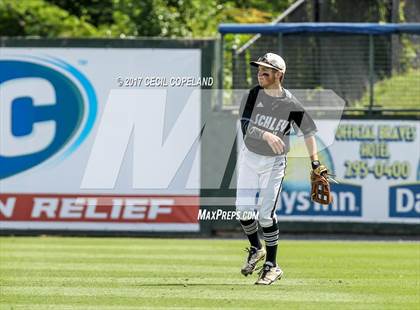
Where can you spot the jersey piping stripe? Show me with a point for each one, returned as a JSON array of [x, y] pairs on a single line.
[[281, 185]]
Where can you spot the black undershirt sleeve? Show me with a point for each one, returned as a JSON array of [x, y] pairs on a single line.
[[247, 106], [302, 121]]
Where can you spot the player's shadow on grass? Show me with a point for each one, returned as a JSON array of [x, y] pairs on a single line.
[[190, 284]]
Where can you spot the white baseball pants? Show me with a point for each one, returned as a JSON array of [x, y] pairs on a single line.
[[259, 184]]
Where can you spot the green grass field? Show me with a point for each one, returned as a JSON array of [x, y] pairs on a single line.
[[135, 273]]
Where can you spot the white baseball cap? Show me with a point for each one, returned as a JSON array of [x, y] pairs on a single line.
[[272, 61]]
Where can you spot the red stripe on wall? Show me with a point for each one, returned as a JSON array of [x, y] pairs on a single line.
[[99, 208]]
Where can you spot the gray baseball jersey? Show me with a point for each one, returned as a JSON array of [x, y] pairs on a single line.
[[261, 112]]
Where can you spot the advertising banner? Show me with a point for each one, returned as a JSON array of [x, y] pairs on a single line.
[[377, 165], [77, 138]]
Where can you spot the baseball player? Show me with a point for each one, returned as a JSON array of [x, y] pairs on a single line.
[[268, 114]]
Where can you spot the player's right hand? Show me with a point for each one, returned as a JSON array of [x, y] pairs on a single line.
[[276, 144]]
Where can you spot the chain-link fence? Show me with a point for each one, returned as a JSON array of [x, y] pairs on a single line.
[[371, 66]]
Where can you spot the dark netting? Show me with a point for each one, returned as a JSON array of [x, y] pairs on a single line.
[[338, 62], [341, 62]]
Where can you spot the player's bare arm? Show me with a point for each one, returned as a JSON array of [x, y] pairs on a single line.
[[312, 148]]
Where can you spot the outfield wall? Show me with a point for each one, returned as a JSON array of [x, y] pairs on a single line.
[[82, 150], [376, 161]]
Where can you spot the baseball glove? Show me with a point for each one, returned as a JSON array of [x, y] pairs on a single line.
[[320, 185]]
